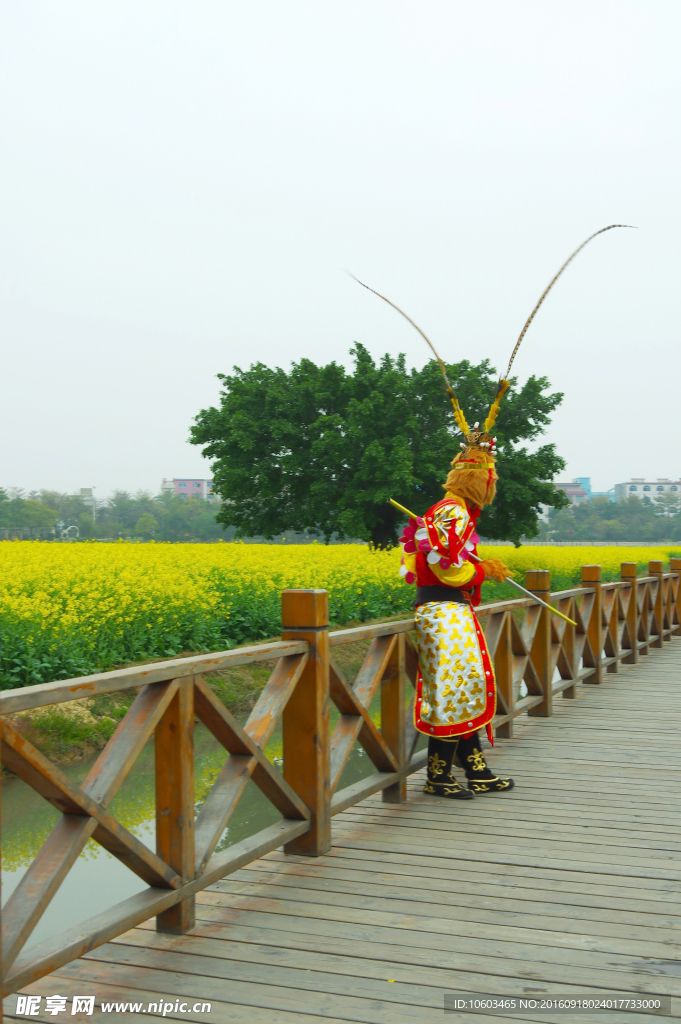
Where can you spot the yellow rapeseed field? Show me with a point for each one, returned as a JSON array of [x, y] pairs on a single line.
[[565, 563], [70, 609]]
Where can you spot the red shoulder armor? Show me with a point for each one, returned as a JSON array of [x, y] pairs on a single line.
[[455, 543]]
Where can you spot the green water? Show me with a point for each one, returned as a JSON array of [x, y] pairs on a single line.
[[98, 880]]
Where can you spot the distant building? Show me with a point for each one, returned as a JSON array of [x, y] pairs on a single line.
[[578, 490], [639, 487], [189, 487]]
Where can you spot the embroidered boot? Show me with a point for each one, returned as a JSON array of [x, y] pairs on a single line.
[[472, 760], [441, 781]]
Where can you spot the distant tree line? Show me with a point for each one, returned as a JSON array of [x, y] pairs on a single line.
[[631, 519], [49, 514], [167, 517]]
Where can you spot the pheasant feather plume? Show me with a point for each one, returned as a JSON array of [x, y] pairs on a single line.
[[481, 439]]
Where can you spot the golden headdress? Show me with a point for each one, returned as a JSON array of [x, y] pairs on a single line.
[[478, 443]]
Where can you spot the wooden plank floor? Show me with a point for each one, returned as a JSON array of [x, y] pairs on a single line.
[[568, 884]]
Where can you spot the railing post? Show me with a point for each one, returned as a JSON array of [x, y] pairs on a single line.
[[611, 640], [569, 652], [393, 721], [306, 718], [591, 578], [503, 671], [655, 569], [628, 571], [538, 581], [174, 756], [675, 566]]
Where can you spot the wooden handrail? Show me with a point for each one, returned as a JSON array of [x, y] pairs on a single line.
[[28, 697], [616, 623]]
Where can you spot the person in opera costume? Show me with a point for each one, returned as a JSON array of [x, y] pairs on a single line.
[[455, 693]]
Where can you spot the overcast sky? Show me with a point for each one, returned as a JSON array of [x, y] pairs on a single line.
[[183, 184]]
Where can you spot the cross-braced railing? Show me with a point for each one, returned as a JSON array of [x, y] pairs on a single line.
[[616, 623], [172, 695]]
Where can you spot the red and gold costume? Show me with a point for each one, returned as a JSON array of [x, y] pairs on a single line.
[[455, 687]]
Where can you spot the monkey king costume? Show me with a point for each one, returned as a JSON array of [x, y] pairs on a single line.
[[456, 693]]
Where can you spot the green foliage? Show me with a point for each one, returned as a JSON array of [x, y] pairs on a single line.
[[322, 449], [77, 727], [112, 705], [67, 506], [633, 519], [166, 517], [239, 688], [39, 513], [182, 519], [146, 526], [667, 504], [87, 528], [25, 513]]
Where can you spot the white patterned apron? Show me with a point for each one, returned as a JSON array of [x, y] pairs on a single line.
[[455, 692]]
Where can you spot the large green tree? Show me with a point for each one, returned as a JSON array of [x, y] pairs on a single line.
[[323, 449]]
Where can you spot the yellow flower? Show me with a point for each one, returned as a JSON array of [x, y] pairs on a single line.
[[104, 604]]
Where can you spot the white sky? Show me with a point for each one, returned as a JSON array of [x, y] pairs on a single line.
[[183, 184]]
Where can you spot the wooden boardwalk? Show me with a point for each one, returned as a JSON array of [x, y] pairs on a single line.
[[568, 884]]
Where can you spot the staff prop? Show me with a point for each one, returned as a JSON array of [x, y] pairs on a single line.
[[509, 579]]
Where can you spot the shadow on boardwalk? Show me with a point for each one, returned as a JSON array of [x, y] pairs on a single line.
[[567, 885]]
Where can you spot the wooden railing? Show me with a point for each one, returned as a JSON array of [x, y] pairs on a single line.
[[616, 623]]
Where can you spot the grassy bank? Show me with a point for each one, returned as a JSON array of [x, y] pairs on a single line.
[[73, 730]]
